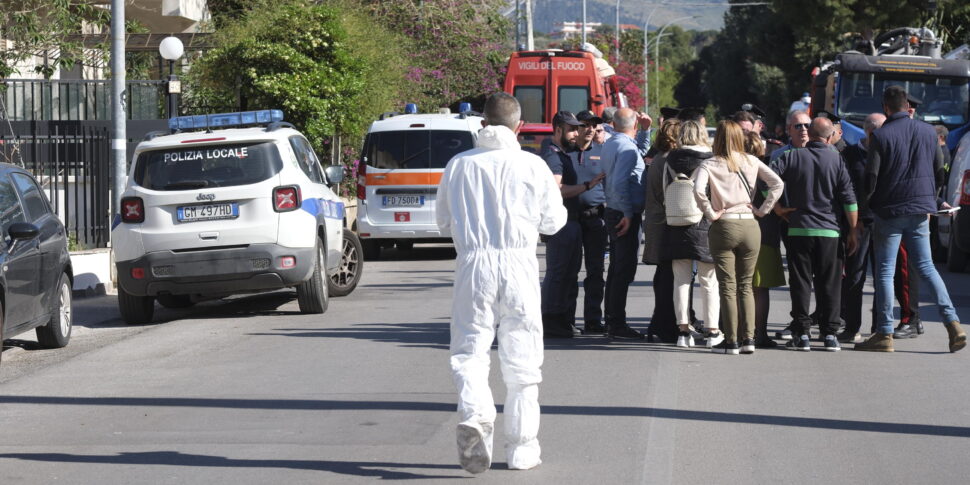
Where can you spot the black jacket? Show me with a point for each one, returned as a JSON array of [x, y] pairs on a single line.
[[686, 242]]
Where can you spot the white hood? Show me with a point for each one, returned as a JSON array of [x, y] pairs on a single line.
[[497, 137]]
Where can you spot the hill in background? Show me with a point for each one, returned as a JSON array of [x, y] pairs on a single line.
[[549, 12]]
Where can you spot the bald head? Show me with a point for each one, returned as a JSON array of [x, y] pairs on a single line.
[[821, 130], [873, 122], [625, 121], [502, 109]]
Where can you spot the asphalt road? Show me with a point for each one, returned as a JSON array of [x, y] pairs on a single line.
[[248, 390]]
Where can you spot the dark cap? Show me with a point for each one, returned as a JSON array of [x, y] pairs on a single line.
[[753, 109], [831, 117], [690, 114], [669, 113], [565, 118], [587, 116], [914, 102]]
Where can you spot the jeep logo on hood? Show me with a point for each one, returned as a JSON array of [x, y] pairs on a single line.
[[208, 197]]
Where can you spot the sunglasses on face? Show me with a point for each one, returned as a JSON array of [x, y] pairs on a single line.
[[801, 126]]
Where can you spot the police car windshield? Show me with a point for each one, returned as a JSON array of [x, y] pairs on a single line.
[[187, 168], [415, 149], [945, 100]]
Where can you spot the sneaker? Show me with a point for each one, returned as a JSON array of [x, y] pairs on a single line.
[[918, 326], [576, 331], [958, 338], [714, 338], [799, 343], [725, 347], [783, 334], [592, 327], [624, 332], [877, 342], [904, 330], [747, 346], [832, 343], [685, 340], [473, 452], [848, 338], [763, 342]]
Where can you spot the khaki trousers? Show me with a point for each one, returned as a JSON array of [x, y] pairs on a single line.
[[734, 246]]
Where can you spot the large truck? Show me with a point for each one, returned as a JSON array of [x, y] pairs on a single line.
[[548, 81], [852, 84]]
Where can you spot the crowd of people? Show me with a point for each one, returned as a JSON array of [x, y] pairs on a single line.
[[718, 213], [715, 212]]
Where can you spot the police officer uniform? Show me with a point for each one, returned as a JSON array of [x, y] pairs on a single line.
[[560, 286], [588, 164]]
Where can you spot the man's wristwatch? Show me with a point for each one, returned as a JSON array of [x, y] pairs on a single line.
[[586, 184]]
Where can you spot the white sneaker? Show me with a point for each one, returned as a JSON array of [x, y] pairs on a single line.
[[783, 334], [714, 339], [473, 452], [685, 340]]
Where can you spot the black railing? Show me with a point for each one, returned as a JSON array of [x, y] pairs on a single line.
[[71, 161], [81, 100]]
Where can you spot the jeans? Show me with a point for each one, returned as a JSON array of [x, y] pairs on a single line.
[[623, 266], [683, 280], [914, 232]]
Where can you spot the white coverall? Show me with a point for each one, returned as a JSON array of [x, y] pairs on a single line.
[[496, 199]]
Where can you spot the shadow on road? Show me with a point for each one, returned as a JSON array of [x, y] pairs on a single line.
[[602, 411], [432, 335], [356, 468]]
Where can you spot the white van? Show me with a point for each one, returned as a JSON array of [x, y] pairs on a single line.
[[402, 161]]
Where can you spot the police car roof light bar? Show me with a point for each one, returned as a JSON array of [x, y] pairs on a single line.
[[225, 120], [410, 109], [464, 107]]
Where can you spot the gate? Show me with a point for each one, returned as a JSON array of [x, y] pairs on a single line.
[[71, 161]]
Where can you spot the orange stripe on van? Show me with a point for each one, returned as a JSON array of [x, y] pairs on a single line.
[[404, 178]]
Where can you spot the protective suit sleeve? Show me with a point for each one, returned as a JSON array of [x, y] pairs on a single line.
[[442, 209], [552, 212]]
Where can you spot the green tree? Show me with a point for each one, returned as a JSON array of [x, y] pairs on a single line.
[[42, 28], [330, 67]]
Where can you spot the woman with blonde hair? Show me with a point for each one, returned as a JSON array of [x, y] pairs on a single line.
[[735, 237]]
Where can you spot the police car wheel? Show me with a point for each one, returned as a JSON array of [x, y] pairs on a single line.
[[313, 295], [135, 310], [57, 332], [175, 301], [345, 279]]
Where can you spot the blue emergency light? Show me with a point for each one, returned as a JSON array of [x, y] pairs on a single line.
[[410, 109], [464, 107], [225, 120]]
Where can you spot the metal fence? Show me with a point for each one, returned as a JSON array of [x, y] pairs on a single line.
[[71, 160], [59, 100]]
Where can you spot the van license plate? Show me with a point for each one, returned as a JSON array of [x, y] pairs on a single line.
[[403, 200], [208, 212]]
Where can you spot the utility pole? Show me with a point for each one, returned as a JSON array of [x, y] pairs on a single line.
[[119, 138], [617, 30], [529, 39], [584, 21], [518, 26]]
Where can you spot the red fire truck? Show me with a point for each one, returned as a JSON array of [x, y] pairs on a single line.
[[548, 81]]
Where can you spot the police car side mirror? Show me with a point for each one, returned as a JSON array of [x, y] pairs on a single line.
[[335, 174], [20, 232]]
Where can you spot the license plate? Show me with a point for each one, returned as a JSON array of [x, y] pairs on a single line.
[[208, 212], [403, 200]]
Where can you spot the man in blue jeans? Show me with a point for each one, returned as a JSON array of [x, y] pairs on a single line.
[[901, 187]]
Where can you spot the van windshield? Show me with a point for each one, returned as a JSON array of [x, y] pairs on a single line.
[[187, 168], [415, 149]]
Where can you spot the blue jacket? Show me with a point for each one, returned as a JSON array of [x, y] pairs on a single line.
[[900, 178], [624, 175]]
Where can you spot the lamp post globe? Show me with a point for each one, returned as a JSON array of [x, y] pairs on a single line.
[[171, 48]]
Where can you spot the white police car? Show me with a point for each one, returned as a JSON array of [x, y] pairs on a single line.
[[226, 204]]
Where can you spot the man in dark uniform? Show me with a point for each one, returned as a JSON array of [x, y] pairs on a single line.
[[588, 164], [564, 249]]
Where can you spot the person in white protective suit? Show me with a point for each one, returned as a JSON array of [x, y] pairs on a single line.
[[496, 199]]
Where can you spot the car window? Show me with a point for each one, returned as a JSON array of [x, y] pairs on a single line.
[[10, 209], [227, 165], [306, 158], [416, 149], [34, 204]]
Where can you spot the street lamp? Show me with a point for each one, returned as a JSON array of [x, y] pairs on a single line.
[[171, 50], [646, 55], [656, 58]]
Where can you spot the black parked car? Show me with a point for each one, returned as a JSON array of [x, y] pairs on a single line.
[[35, 267]]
